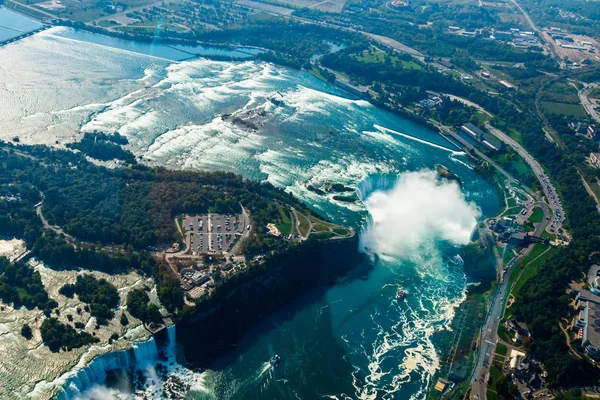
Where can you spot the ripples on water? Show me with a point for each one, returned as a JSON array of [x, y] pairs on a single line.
[[354, 340]]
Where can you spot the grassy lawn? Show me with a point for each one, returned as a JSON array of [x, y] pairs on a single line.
[[495, 373], [512, 202], [304, 225], [501, 349], [553, 107], [284, 223], [378, 56], [502, 332], [340, 231], [595, 188], [513, 210], [324, 235], [533, 268], [537, 215]]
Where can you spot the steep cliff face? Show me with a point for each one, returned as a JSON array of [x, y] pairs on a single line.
[[213, 327]]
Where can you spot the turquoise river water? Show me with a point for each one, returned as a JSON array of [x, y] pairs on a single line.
[[351, 341]]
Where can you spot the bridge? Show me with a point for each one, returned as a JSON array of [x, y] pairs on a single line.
[[23, 34]]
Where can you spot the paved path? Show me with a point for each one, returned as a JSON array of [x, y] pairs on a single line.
[[56, 229]]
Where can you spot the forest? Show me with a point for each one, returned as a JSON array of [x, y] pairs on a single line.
[[104, 147], [57, 336], [139, 305], [100, 295], [20, 286]]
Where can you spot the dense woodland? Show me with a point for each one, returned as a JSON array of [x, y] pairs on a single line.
[[100, 295], [113, 215], [133, 207], [22, 286], [139, 305], [104, 147], [57, 336]]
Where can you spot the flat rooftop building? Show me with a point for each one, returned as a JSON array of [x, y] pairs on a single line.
[[588, 321], [485, 138]]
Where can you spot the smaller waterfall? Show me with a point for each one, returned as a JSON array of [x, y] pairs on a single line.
[[172, 341], [145, 352]]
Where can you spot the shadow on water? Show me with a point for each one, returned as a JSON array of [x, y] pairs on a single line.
[[313, 358]]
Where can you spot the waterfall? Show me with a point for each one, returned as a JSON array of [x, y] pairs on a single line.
[[145, 352], [141, 355], [172, 341], [93, 373], [374, 183]]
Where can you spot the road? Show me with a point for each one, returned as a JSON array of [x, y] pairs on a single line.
[[547, 186], [447, 131], [489, 331], [586, 103], [33, 9], [56, 229]]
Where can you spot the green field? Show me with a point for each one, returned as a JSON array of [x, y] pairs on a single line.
[[304, 226], [284, 223], [378, 56], [513, 211], [537, 215], [501, 349], [575, 110], [533, 268]]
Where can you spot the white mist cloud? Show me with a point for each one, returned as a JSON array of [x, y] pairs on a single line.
[[418, 208], [98, 392]]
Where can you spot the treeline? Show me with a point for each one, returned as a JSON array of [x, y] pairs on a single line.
[[294, 43], [139, 305], [104, 147], [543, 302]]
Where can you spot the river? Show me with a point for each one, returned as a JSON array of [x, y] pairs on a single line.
[[265, 122]]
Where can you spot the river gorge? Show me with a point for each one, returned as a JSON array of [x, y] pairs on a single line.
[[352, 338]]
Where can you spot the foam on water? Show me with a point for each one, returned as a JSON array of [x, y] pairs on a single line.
[[269, 123]]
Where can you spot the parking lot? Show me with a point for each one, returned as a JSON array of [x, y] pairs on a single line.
[[213, 233], [558, 214]]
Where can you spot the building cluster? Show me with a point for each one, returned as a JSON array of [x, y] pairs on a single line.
[[514, 37], [517, 38], [525, 372], [191, 278], [510, 232], [567, 41], [193, 281], [430, 102], [591, 131], [489, 141]]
